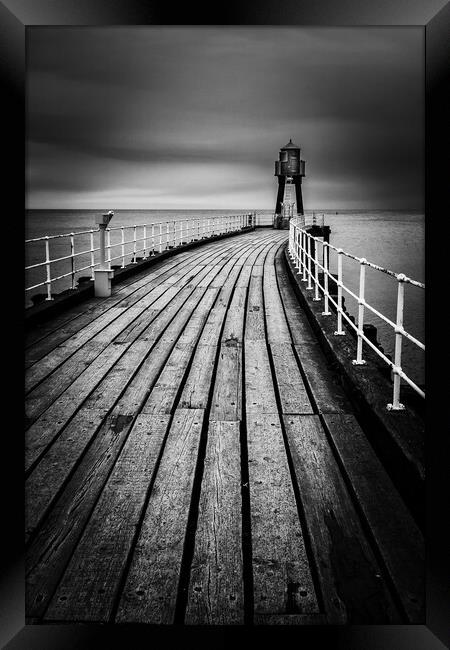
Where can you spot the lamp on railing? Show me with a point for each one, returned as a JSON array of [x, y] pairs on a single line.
[[103, 275]]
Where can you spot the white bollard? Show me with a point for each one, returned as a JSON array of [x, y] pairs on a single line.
[[104, 274]]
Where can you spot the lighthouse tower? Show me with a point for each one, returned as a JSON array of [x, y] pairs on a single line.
[[289, 169]]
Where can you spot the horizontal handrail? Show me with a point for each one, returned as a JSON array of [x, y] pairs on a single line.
[[304, 250], [147, 239]]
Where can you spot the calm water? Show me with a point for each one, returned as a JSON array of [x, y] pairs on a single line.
[[394, 240]]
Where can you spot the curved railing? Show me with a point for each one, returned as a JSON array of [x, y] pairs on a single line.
[[304, 251], [142, 239]]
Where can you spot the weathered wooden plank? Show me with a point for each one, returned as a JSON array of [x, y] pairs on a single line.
[[150, 591], [44, 429], [277, 327], [299, 326], [259, 388], [77, 317], [127, 406], [216, 593], [50, 550], [397, 536], [196, 389], [322, 380], [91, 581], [49, 553], [234, 323], [49, 475], [150, 335], [145, 295], [91, 363], [106, 389], [352, 583], [226, 403], [255, 329], [213, 326], [40, 434], [162, 397], [281, 573], [291, 388]]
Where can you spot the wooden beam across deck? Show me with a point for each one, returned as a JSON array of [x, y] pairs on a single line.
[[192, 458]]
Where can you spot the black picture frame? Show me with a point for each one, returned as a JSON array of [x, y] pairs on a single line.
[[15, 17]]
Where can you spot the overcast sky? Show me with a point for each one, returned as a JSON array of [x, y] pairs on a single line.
[[164, 117]]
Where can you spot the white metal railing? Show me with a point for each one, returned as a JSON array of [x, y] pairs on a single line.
[[304, 251], [146, 239]]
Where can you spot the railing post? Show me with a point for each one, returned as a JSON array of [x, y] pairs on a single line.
[[92, 255], [48, 269], [72, 258], [174, 233], [316, 271], [153, 239], [309, 286], [160, 237], [396, 405], [304, 237], [145, 241], [108, 246], [326, 311], [362, 282], [122, 232], [167, 235], [134, 244], [339, 331]]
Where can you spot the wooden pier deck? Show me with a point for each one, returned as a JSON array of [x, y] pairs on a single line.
[[191, 458]]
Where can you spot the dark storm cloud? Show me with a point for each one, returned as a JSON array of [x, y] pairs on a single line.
[[136, 108]]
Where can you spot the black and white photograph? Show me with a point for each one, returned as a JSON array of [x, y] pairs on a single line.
[[224, 331]]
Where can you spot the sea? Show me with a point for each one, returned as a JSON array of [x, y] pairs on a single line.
[[393, 239]]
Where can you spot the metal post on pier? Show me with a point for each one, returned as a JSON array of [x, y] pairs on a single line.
[[396, 405], [309, 285], [103, 275], [339, 331], [48, 269], [326, 311], [316, 271], [92, 251], [359, 361], [134, 245], [72, 258], [122, 242]]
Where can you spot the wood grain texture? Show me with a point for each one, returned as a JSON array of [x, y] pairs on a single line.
[[259, 389], [150, 591], [91, 581], [215, 593], [291, 388], [281, 573], [323, 382], [397, 536], [352, 583]]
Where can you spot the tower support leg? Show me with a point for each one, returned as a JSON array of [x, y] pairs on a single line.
[[280, 195], [298, 194]]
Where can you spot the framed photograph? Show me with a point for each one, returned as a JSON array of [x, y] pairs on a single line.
[[228, 225]]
